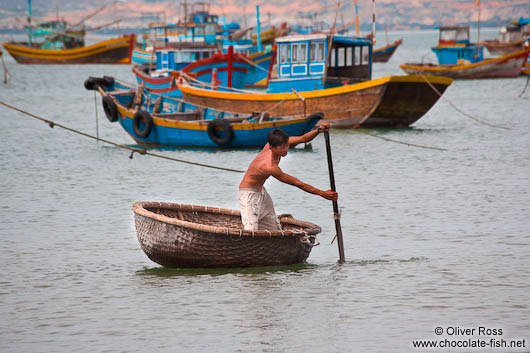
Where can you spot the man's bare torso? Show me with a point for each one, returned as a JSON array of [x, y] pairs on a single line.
[[259, 170]]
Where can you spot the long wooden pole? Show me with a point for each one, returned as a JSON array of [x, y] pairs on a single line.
[[336, 213]]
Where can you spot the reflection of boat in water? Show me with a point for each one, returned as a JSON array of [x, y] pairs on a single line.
[[177, 235], [342, 90], [458, 58]]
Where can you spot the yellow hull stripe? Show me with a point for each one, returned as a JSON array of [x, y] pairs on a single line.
[[204, 125], [312, 94]]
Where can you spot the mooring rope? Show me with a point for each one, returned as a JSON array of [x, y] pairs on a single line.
[[400, 142], [141, 151], [459, 110]]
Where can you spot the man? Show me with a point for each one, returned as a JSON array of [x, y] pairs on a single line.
[[257, 209]]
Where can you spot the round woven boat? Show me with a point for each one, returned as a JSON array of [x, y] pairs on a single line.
[[177, 235]]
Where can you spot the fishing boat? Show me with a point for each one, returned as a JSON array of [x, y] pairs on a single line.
[[343, 89], [511, 38], [189, 236], [382, 55], [501, 67], [113, 51], [161, 120], [57, 42], [231, 69], [460, 59]]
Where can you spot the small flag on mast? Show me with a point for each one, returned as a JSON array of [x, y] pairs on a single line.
[[477, 2]]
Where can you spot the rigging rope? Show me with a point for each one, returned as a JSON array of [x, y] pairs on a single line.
[[459, 110], [142, 151]]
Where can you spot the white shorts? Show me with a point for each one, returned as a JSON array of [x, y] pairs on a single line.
[[257, 210]]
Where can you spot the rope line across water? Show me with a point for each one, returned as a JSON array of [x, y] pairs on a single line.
[[141, 151]]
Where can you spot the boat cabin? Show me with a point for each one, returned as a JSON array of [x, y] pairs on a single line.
[[454, 46], [181, 55], [303, 65]]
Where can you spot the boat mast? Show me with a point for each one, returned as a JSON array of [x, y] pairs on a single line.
[[373, 22], [477, 3], [258, 29], [357, 30], [29, 22]]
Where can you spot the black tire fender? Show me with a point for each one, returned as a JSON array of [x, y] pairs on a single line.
[[110, 108], [141, 116], [220, 125], [90, 83]]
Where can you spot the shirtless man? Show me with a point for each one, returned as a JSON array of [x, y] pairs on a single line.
[[257, 209]]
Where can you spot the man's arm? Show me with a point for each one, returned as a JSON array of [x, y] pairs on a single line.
[[291, 180], [308, 136]]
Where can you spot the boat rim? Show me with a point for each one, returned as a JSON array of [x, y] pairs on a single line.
[[140, 208]]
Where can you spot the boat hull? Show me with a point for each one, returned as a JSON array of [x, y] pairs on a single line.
[[188, 126], [382, 55], [502, 67], [393, 101], [114, 51], [495, 47], [189, 236]]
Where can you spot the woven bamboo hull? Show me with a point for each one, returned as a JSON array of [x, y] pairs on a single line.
[[114, 51], [185, 236]]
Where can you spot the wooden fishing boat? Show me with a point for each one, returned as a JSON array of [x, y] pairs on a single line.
[[511, 38], [231, 69], [342, 90], [382, 55], [113, 51], [504, 66], [156, 120], [188, 236]]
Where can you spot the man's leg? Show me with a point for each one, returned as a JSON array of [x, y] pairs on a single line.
[[268, 219], [249, 204]]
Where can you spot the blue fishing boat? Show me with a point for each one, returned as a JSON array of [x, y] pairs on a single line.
[[454, 47], [458, 58], [160, 120]]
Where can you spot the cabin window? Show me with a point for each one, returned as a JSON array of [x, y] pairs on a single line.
[[299, 53], [316, 51], [284, 53], [341, 57], [303, 52], [357, 55], [332, 59], [349, 61]]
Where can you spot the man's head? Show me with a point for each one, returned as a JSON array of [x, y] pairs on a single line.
[[278, 141], [277, 138]]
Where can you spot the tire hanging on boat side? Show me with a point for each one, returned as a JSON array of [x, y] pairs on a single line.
[[141, 116], [110, 108], [220, 132]]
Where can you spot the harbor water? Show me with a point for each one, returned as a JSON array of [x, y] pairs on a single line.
[[434, 239]]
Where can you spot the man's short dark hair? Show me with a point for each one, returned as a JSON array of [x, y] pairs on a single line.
[[277, 138]]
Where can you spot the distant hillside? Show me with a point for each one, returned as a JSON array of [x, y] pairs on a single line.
[[395, 14]]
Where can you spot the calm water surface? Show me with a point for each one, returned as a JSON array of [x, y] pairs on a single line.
[[432, 238]]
